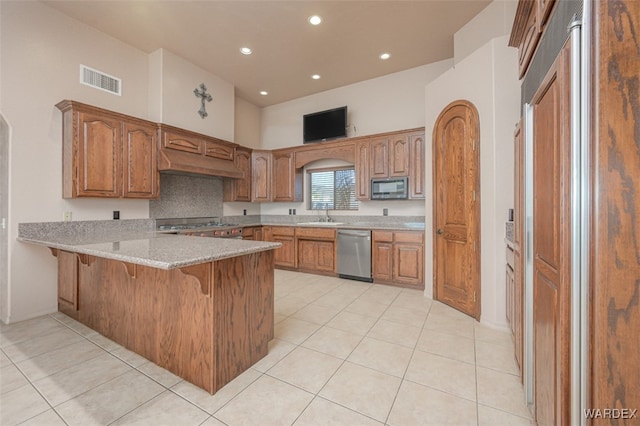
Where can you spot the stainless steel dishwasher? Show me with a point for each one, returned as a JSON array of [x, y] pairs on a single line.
[[354, 254]]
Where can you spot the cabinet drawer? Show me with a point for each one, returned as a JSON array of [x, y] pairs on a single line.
[[289, 231], [316, 233], [409, 237], [218, 150], [383, 236], [181, 142]]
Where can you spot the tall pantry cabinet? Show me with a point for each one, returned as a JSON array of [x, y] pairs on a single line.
[[578, 153]]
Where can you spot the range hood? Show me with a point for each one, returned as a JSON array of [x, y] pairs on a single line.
[[180, 162]]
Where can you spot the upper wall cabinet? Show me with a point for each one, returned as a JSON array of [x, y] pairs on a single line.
[[261, 175], [530, 20], [287, 180], [391, 155], [240, 189], [106, 154], [416, 165], [363, 177]]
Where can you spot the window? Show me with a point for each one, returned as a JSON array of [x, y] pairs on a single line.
[[333, 189]]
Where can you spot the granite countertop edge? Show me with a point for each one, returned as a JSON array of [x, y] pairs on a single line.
[[162, 251], [344, 225]]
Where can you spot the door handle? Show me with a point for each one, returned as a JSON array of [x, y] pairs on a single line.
[[439, 231]]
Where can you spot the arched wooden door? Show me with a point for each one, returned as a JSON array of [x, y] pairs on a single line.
[[456, 180]]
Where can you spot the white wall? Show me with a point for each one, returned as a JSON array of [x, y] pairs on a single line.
[[247, 124], [41, 54], [488, 79], [384, 104], [494, 21], [42, 50], [180, 106]]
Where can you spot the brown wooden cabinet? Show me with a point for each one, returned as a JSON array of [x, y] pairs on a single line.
[[316, 250], [379, 158], [261, 175], [398, 258], [287, 180], [67, 282], [107, 155], [239, 189], [363, 177], [181, 141], [286, 255], [382, 256], [416, 165], [252, 233], [399, 155]]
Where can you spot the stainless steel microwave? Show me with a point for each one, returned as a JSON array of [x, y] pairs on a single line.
[[395, 188]]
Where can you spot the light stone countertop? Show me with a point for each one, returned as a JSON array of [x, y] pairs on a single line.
[[163, 251], [406, 226]]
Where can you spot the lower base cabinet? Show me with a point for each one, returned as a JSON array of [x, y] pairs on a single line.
[[284, 256], [316, 250], [398, 258]]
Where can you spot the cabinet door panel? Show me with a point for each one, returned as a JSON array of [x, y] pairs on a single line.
[[261, 175], [140, 161], [408, 263], [67, 281], [285, 255], [363, 176], [99, 154], [379, 163], [416, 166], [243, 186], [287, 181], [399, 156], [382, 261]]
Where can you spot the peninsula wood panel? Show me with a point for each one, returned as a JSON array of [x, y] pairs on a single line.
[[614, 284], [552, 243], [67, 282], [205, 323]]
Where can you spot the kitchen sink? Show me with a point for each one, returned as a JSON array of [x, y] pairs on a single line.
[[321, 223]]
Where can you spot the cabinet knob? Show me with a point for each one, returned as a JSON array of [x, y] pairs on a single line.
[[439, 231]]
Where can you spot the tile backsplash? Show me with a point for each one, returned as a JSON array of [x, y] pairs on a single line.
[[187, 196]]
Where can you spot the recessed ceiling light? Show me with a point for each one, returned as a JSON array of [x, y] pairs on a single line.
[[316, 76], [264, 92], [315, 20], [246, 51], [385, 56]]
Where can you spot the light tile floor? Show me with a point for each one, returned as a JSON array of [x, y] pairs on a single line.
[[345, 353]]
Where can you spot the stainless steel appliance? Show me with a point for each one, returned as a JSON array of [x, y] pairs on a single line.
[[199, 227], [395, 188], [354, 254]]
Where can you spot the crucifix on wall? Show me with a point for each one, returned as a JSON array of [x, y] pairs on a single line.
[[204, 96]]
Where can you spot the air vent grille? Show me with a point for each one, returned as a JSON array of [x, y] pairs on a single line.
[[100, 80]]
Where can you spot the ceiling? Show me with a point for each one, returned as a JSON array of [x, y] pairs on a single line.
[[287, 50]]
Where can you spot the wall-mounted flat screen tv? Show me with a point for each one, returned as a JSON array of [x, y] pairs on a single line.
[[325, 125]]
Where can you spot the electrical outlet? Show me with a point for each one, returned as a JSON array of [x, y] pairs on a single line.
[[244, 212], [385, 212], [66, 216], [116, 215]]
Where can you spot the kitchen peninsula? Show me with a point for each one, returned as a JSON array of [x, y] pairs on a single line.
[[200, 307]]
